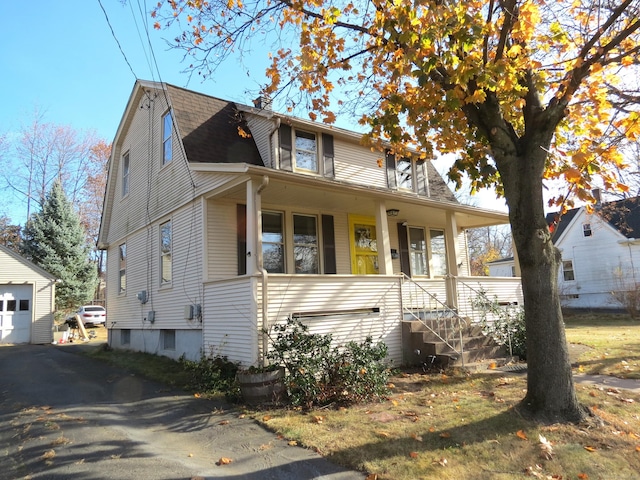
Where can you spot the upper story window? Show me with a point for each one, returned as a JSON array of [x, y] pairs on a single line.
[[407, 174], [123, 267], [306, 157], [167, 138], [165, 252], [586, 230], [568, 274], [125, 174], [304, 151], [404, 174]]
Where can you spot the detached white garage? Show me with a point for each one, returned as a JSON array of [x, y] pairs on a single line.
[[27, 300]]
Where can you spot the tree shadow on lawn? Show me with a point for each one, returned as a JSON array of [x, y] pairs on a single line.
[[505, 424]]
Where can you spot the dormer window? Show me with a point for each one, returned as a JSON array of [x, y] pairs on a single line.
[[306, 157], [305, 152], [586, 229], [406, 174]]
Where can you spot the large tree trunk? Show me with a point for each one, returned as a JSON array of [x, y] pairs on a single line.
[[550, 394]]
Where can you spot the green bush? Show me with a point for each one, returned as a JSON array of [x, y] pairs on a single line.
[[210, 374], [317, 374], [504, 323]]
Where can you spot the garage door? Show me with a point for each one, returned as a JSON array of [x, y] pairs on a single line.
[[16, 307]]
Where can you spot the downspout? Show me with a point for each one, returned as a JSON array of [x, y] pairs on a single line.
[[263, 273]]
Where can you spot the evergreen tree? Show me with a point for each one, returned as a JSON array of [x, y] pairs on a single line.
[[54, 239]]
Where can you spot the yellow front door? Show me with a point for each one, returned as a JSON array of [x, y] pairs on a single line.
[[364, 248]]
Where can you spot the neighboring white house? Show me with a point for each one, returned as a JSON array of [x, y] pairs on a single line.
[[27, 300], [600, 253], [503, 267], [221, 219]]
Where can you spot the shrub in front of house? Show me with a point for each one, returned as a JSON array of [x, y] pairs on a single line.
[[318, 373]]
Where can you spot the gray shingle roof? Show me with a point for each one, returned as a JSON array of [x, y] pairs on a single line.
[[209, 129]]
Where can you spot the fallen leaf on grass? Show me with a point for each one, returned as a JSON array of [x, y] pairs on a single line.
[[442, 462], [413, 454], [224, 461], [266, 418], [373, 476], [627, 400], [224, 422], [432, 429], [546, 450], [638, 448], [583, 476], [589, 448], [383, 434], [445, 435], [417, 437], [318, 419], [522, 435], [293, 443]]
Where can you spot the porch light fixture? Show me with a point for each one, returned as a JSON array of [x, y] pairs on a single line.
[[393, 212]]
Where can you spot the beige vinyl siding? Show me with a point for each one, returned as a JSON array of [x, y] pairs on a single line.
[[261, 129], [463, 251], [289, 294], [504, 290], [414, 297], [154, 189], [341, 234], [231, 319], [143, 257], [221, 244], [357, 164]]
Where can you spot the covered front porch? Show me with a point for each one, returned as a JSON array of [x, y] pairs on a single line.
[[346, 259]]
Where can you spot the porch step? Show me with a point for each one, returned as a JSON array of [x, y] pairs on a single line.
[[421, 345]]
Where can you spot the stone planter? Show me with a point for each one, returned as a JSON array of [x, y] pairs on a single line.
[[262, 387]]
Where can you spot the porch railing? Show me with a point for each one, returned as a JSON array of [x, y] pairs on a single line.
[[436, 316], [472, 296]]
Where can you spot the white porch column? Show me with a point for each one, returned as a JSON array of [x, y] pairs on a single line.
[[453, 258], [385, 266], [253, 208]]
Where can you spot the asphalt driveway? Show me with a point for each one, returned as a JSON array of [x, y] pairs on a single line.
[[66, 416]]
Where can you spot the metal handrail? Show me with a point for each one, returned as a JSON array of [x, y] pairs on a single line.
[[448, 320]]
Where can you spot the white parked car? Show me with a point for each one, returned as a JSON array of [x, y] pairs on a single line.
[[91, 315]]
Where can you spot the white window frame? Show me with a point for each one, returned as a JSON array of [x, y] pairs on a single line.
[[410, 173], [167, 138], [315, 153], [122, 267], [166, 257], [307, 246], [415, 253], [126, 164], [281, 243], [570, 269], [435, 272]]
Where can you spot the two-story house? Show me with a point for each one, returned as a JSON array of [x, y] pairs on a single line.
[[221, 219], [600, 253]]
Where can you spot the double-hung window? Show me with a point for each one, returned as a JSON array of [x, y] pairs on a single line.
[[568, 274], [438, 253], [273, 242], [404, 173], [586, 230], [167, 139], [418, 251], [305, 243], [165, 252], [123, 267], [125, 174], [306, 157]]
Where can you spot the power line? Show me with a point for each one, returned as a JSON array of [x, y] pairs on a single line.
[[116, 39]]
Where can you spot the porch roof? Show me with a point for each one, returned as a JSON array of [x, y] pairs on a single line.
[[306, 191]]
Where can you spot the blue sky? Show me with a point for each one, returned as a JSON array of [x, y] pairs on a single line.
[[59, 56]]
